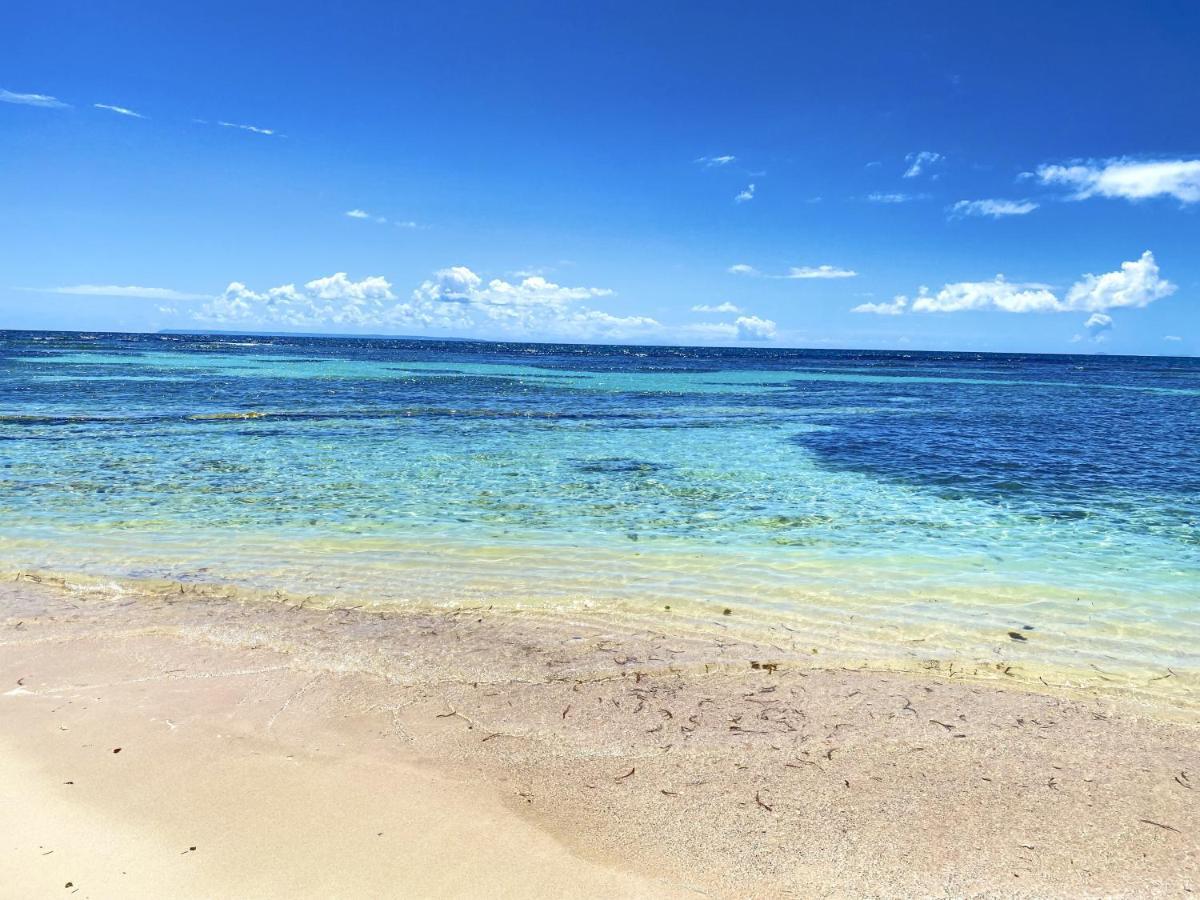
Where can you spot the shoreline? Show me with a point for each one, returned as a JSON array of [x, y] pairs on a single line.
[[1013, 658], [643, 762]]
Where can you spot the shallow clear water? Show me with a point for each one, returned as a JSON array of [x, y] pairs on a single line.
[[885, 506]]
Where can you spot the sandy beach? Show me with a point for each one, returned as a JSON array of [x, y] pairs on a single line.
[[212, 748]]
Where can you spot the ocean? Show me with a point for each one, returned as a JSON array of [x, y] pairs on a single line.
[[1032, 516]]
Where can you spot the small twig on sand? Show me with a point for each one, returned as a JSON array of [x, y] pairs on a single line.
[[1160, 825]]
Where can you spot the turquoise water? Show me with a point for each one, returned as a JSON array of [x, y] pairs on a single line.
[[891, 508]]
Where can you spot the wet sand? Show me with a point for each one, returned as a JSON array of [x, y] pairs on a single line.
[[315, 752]]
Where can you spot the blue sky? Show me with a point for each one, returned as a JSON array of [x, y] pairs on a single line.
[[991, 176]]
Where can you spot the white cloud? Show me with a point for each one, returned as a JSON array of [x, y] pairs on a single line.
[[894, 308], [120, 110], [795, 272], [996, 209], [710, 161], [334, 300], [719, 308], [1172, 337], [1137, 284], [168, 310], [752, 328], [125, 290], [1097, 324], [747, 194], [994, 294], [382, 220], [253, 128], [43, 100], [818, 272], [1130, 179], [920, 161], [455, 297], [339, 287], [896, 197]]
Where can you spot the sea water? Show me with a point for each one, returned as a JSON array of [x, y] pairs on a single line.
[[1039, 514]]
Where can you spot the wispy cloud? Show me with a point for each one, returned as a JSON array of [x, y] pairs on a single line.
[[719, 308], [995, 209], [745, 195], [795, 272], [920, 161], [253, 128], [711, 161], [817, 272], [1128, 179], [124, 290], [1174, 338], [120, 110], [894, 308], [895, 197], [382, 220], [44, 100]]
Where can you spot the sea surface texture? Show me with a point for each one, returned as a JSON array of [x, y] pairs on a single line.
[[1034, 516]]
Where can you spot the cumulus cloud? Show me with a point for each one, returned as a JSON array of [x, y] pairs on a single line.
[[753, 328], [920, 161], [996, 209], [995, 294], [253, 128], [894, 308], [795, 272], [719, 308], [334, 300], [455, 297], [710, 161], [119, 110], [1128, 179], [1137, 283], [125, 290], [745, 195], [43, 100], [358, 214], [1097, 323]]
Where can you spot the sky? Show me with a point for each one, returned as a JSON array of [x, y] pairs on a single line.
[[993, 176]]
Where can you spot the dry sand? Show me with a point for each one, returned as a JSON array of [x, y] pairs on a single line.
[[347, 753]]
